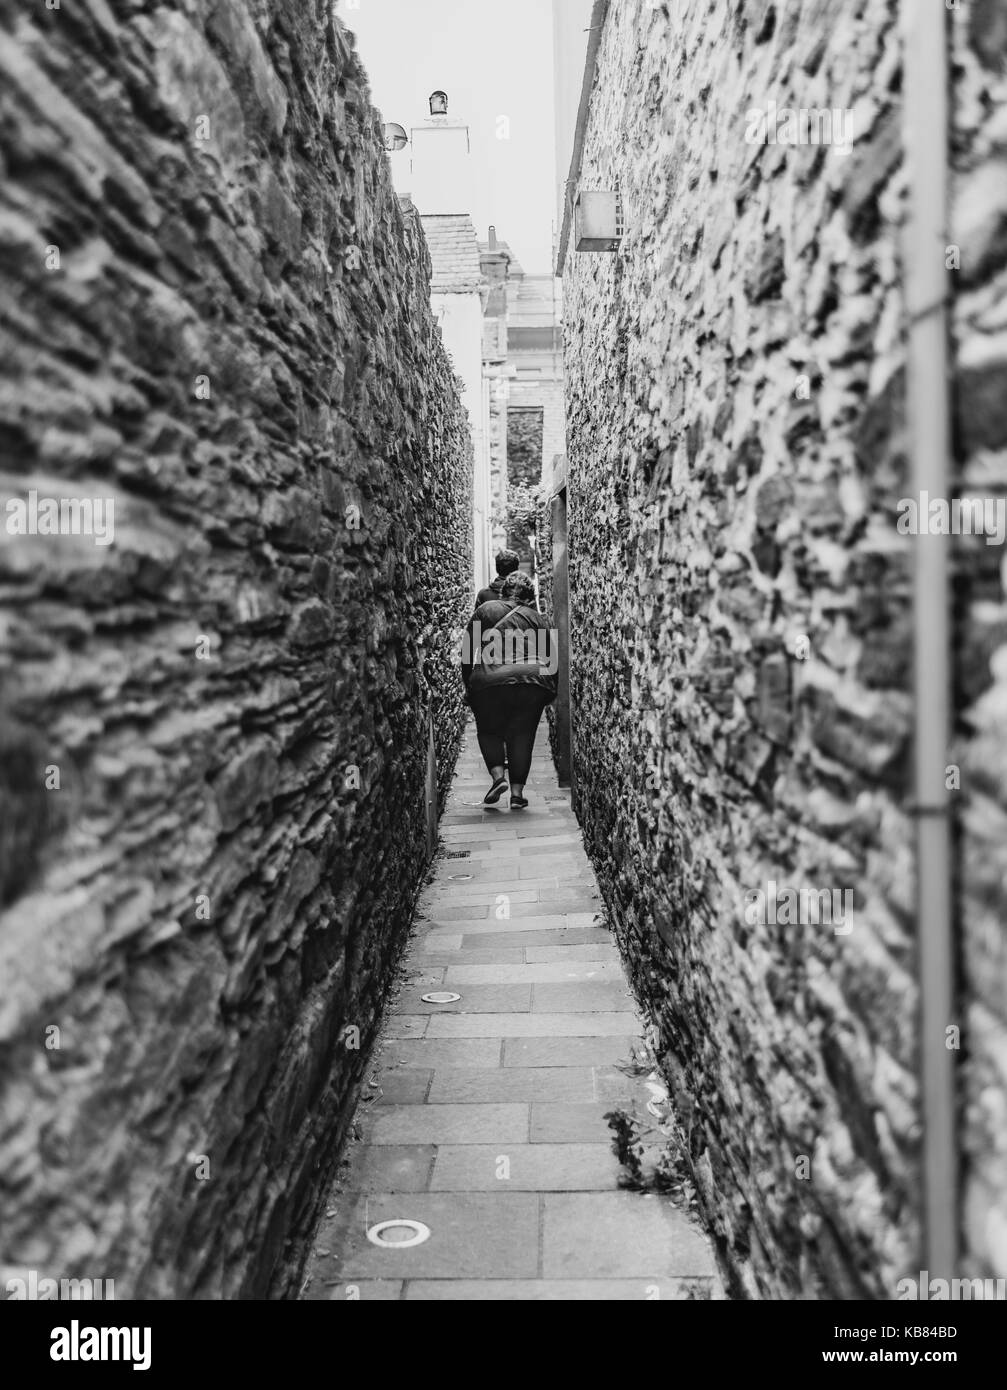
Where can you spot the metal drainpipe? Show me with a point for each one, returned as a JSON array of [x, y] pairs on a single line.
[[925, 135]]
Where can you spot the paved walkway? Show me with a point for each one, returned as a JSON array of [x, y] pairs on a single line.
[[487, 1119]]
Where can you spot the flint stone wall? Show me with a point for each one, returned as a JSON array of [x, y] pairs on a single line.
[[741, 616], [235, 692]]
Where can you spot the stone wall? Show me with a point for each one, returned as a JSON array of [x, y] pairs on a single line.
[[496, 431], [545, 575], [741, 601], [214, 728], [979, 224]]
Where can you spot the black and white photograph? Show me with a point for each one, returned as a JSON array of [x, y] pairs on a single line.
[[503, 673]]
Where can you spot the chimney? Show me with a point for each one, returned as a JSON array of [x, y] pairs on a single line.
[[493, 263]]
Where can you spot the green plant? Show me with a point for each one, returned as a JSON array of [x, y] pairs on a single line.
[[519, 516], [651, 1146], [628, 1148]]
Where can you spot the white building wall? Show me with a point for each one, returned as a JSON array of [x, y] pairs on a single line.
[[441, 172], [571, 20], [461, 321]]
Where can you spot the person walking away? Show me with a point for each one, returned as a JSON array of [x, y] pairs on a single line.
[[507, 562], [511, 679]]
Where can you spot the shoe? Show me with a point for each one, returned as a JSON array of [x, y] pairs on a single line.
[[495, 792], [518, 803]]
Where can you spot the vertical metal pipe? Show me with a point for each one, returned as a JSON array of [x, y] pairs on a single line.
[[928, 384]]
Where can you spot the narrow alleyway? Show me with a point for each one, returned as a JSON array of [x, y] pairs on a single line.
[[487, 1120]]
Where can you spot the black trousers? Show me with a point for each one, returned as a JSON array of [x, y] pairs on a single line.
[[506, 722]]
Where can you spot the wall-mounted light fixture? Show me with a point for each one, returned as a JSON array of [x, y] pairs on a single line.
[[597, 221], [395, 136], [438, 103]]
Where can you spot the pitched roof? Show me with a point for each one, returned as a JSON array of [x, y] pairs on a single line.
[[454, 251]]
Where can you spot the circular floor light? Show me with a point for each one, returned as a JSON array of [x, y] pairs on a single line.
[[441, 996], [399, 1234]]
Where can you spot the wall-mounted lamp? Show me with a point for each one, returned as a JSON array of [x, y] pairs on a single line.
[[438, 103], [597, 221], [395, 136]]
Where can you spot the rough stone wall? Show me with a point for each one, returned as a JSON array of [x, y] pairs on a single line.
[[979, 229], [234, 693], [497, 447], [544, 579], [741, 608]]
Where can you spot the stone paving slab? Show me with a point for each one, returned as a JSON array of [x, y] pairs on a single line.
[[559, 866], [581, 996], [472, 1235], [568, 1122], [484, 1118], [443, 941], [488, 869], [530, 1167], [488, 896], [364, 1291], [511, 1083], [613, 1085], [445, 959], [495, 926], [535, 835], [447, 1124], [471, 912], [405, 1026], [549, 845], [441, 1052], [566, 1052], [620, 1235], [392, 1168], [548, 955], [555, 902], [518, 888], [417, 972], [561, 1025], [454, 835], [552, 1290], [558, 972], [404, 1086], [475, 998], [524, 936]]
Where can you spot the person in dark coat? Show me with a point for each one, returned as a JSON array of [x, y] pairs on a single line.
[[514, 658], [507, 563]]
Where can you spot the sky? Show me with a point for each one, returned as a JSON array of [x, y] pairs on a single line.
[[493, 58]]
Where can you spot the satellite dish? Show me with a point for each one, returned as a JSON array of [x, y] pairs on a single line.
[[395, 136]]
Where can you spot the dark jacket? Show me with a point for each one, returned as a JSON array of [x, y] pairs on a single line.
[[493, 591], [510, 644]]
